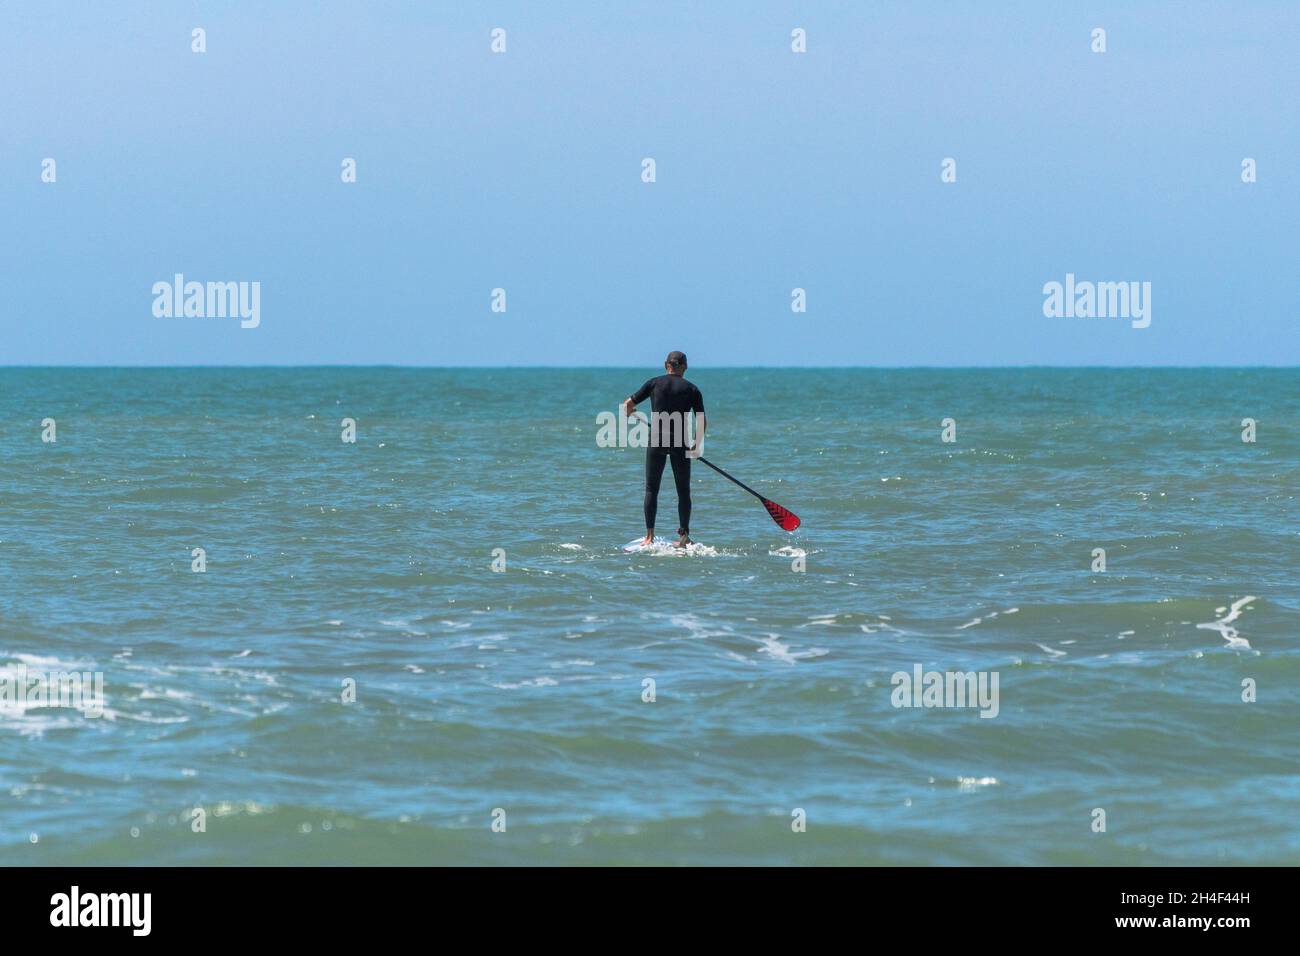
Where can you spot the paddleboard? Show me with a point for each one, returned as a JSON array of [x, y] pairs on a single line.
[[636, 544], [665, 546]]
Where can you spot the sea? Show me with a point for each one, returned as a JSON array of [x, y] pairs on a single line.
[[425, 645]]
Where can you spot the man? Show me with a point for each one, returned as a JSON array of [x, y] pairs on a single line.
[[671, 398]]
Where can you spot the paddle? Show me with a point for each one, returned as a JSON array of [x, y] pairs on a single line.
[[786, 518]]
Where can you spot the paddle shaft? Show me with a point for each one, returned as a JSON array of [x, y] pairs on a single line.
[[729, 478]]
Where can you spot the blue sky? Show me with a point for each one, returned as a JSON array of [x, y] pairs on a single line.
[[775, 171]]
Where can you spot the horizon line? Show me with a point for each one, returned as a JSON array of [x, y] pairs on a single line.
[[412, 367]]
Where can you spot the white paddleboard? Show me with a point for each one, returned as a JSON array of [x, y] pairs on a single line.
[[662, 546], [636, 544]]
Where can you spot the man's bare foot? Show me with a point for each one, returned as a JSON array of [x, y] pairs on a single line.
[[648, 540], [683, 541]]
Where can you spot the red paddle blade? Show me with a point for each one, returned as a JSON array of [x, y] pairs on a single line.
[[786, 518]]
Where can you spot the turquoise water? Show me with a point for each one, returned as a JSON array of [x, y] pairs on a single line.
[[523, 689]]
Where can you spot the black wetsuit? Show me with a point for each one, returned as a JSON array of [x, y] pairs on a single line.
[[669, 394]]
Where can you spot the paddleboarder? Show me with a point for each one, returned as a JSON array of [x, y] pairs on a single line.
[[671, 398]]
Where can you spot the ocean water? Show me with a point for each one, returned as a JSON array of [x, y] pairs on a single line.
[[521, 691]]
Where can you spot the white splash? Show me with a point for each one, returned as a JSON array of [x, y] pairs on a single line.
[[772, 645], [662, 546], [536, 682], [788, 551], [1224, 624]]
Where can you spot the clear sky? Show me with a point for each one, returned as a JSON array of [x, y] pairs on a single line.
[[775, 171]]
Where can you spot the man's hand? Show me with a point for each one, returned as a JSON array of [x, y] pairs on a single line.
[[628, 407], [696, 448]]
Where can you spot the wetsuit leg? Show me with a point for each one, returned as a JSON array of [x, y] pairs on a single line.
[[654, 472], [682, 479]]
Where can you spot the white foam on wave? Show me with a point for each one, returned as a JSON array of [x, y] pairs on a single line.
[[662, 546], [166, 693], [788, 551], [772, 645], [38, 722], [987, 617], [1224, 624], [697, 629], [822, 620], [37, 662], [152, 719], [882, 625], [30, 717], [535, 682], [969, 784]]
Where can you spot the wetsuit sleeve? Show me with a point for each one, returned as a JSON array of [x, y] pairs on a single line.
[[697, 405], [642, 393]]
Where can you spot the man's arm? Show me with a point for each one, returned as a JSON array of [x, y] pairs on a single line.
[[637, 397], [697, 449]]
